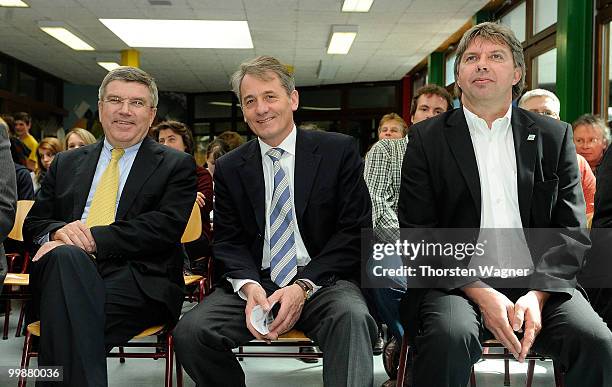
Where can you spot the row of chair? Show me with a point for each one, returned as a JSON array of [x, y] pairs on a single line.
[[16, 287]]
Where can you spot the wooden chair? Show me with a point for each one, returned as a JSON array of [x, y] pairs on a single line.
[[164, 347], [15, 288], [293, 338], [506, 356]]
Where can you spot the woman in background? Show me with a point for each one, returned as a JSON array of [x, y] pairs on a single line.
[[78, 137], [178, 136], [46, 151]]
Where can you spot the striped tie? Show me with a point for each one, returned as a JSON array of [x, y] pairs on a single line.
[[102, 210], [283, 264]]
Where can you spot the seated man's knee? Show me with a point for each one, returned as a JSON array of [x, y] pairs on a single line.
[[457, 336], [66, 254]]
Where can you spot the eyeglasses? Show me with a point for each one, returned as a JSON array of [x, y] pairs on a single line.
[[547, 113], [590, 141], [132, 103]]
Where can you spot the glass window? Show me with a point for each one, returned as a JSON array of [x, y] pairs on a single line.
[[27, 85], [50, 93], [372, 97], [213, 105], [517, 21], [545, 71], [544, 14], [450, 68], [201, 129], [320, 100], [418, 81]]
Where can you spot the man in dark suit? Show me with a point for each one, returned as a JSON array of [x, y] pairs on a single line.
[[8, 195], [109, 218], [490, 165], [289, 207]]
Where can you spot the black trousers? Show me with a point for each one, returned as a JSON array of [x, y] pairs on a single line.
[[336, 318], [451, 331], [83, 314]]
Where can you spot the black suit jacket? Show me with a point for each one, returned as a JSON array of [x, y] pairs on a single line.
[[332, 205], [440, 188], [154, 207]]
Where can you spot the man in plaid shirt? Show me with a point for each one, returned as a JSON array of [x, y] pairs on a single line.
[[383, 166]]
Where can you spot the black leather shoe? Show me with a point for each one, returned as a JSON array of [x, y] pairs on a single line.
[[308, 359]]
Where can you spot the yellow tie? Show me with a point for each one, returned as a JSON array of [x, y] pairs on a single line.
[[102, 210]]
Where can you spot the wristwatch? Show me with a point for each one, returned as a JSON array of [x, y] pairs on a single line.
[[306, 287]]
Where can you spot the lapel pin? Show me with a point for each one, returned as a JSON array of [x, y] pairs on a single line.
[[531, 137]]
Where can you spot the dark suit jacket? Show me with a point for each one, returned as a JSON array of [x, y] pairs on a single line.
[[331, 201], [155, 205], [8, 198], [441, 189]]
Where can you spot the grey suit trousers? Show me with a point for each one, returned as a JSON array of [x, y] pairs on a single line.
[[336, 318]]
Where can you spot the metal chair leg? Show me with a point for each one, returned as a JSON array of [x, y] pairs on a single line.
[[121, 359], [506, 368], [179, 373], [21, 318], [530, 370], [169, 358], [7, 314], [25, 357]]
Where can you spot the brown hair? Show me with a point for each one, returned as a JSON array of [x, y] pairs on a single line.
[[217, 148], [430, 88], [498, 33], [22, 116], [178, 128], [232, 139], [259, 68], [49, 143], [393, 117]]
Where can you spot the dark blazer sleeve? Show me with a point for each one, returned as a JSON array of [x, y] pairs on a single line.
[[340, 255], [560, 195], [231, 246], [160, 226], [46, 216], [7, 194]]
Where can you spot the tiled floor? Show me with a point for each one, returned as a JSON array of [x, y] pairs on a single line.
[[262, 372]]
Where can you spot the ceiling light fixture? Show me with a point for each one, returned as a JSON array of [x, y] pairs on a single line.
[[13, 3], [181, 33], [357, 5], [109, 66], [60, 32], [341, 39]]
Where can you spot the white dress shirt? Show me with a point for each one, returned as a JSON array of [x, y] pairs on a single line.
[[500, 217], [287, 162]]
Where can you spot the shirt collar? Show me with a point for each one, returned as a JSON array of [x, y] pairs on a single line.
[[288, 144], [474, 121], [108, 148]]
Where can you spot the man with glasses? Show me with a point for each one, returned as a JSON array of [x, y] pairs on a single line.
[[546, 103], [592, 137], [109, 218]]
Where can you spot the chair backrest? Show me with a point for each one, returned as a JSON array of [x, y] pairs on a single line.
[[193, 230], [23, 207]]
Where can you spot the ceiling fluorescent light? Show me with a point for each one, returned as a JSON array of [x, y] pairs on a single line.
[[13, 3], [327, 70], [181, 33], [59, 31], [357, 5], [341, 39], [109, 66]]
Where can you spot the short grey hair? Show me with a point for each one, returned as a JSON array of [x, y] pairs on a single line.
[[259, 68], [596, 122], [541, 93], [498, 33], [130, 74]]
